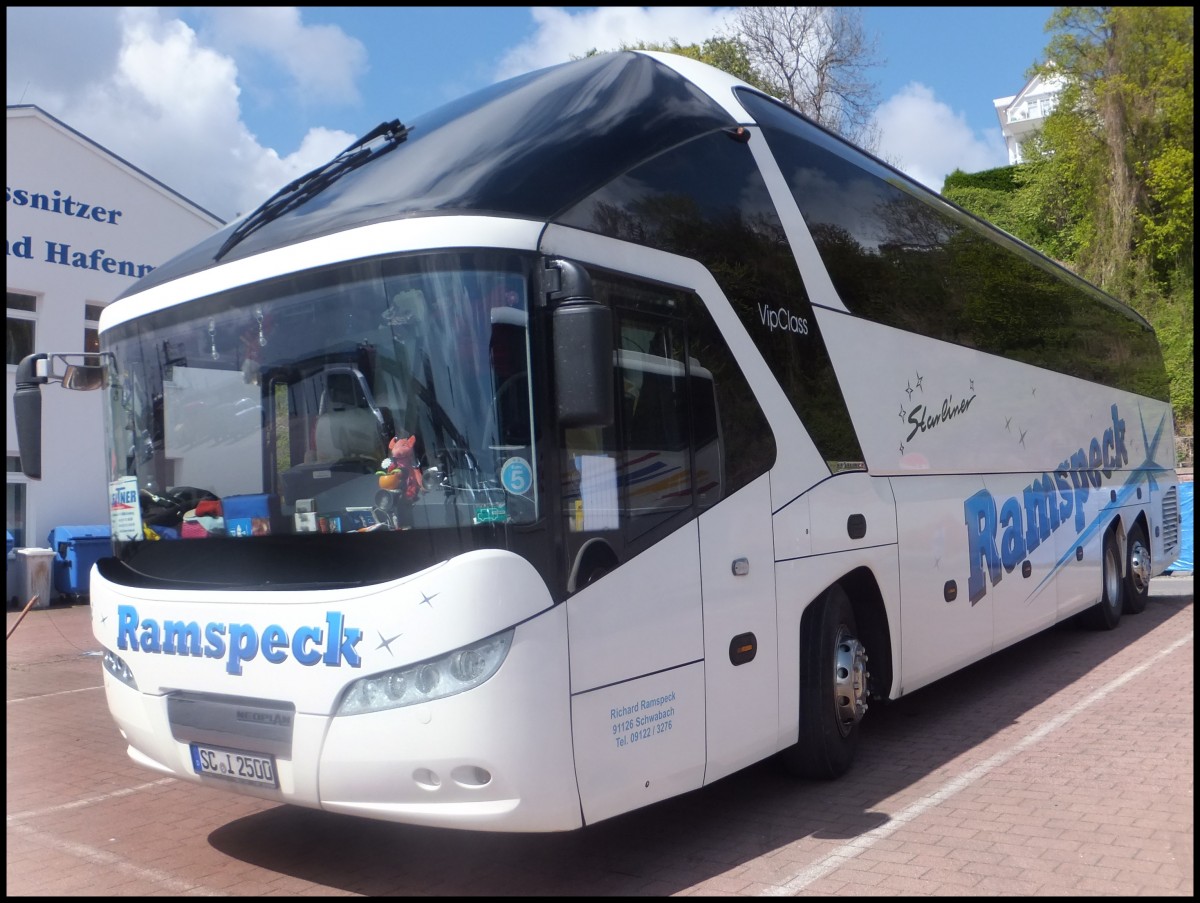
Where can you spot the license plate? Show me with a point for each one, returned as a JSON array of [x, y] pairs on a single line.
[[232, 765]]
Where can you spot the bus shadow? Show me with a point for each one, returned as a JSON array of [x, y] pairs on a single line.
[[679, 843]]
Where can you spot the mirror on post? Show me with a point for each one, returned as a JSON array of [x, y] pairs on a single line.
[[80, 372], [582, 343], [27, 412]]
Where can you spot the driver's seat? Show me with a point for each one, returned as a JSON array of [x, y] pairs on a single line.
[[346, 427]]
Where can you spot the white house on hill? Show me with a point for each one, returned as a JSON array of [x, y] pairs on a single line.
[[1023, 113]]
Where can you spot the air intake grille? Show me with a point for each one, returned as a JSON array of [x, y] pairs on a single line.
[[1170, 519]]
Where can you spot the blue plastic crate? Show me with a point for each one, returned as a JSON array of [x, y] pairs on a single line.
[[248, 515]]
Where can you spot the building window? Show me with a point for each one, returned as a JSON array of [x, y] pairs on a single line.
[[91, 330], [22, 320], [14, 514]]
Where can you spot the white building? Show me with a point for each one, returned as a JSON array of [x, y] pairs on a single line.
[[1023, 114], [83, 225]]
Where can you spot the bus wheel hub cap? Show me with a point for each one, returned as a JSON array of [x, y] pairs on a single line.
[[849, 681], [1139, 566]]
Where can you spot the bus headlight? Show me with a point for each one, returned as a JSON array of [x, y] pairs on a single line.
[[115, 665], [446, 675]]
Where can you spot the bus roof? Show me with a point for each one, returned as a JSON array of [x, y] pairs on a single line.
[[527, 147]]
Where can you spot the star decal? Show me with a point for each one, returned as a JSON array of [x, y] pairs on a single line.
[[920, 380], [1008, 424], [902, 412], [1151, 465], [428, 600], [909, 389], [1022, 440], [387, 643]]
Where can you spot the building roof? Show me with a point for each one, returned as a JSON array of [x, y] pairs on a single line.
[[23, 110]]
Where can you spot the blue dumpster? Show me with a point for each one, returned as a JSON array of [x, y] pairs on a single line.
[[76, 550]]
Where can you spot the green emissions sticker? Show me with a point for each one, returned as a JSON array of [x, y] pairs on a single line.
[[496, 514]]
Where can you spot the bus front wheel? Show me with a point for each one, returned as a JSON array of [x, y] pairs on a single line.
[[833, 689]]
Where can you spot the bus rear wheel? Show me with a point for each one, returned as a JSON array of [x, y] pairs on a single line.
[[833, 689], [1137, 571]]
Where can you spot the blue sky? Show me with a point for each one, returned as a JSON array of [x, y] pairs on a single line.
[[226, 104]]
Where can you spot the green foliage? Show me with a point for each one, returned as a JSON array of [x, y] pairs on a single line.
[[997, 207], [1170, 312], [1109, 189], [1120, 142], [1170, 180], [1003, 178], [1177, 333], [1000, 196], [1154, 80]]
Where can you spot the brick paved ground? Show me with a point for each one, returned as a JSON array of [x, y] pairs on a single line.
[[1062, 766]]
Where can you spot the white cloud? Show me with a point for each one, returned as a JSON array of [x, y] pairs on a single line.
[[85, 43], [172, 98], [925, 139], [562, 35], [324, 63], [142, 84]]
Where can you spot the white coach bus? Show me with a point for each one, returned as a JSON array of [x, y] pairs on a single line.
[[587, 440]]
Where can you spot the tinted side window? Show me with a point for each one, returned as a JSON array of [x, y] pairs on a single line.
[[687, 429], [900, 255], [706, 200]]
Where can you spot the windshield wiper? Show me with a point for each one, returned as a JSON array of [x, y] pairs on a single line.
[[307, 186]]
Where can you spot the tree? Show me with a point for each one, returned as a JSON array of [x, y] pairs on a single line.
[[1123, 129], [728, 54], [816, 59], [813, 58], [1113, 170]]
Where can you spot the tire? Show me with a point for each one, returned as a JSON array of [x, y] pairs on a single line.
[[833, 689], [1106, 614], [1137, 572]]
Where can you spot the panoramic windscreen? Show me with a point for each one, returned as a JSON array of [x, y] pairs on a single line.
[[381, 395]]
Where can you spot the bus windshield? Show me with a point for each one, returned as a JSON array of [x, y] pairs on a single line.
[[387, 394]]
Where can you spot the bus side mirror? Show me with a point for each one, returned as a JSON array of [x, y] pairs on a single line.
[[84, 377], [78, 373], [27, 412], [583, 358]]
